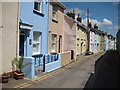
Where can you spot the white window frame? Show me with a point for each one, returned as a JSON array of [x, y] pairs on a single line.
[[40, 9], [54, 12], [36, 42], [53, 50]]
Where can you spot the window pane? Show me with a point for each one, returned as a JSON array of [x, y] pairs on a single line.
[[38, 5], [36, 42], [54, 10], [54, 15], [53, 43]]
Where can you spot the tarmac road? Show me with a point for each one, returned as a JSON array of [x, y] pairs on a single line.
[[74, 77]]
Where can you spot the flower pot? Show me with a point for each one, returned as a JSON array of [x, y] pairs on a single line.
[[5, 79], [18, 75]]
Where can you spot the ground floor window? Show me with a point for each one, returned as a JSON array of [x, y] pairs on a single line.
[[54, 38], [36, 42]]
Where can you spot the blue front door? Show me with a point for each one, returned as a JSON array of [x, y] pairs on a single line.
[[21, 43], [21, 46]]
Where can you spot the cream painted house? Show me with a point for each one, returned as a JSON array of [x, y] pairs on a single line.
[[0, 37], [9, 31], [81, 39], [55, 27], [99, 42]]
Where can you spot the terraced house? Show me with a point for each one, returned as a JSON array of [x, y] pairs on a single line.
[[69, 39], [105, 41], [1, 36], [56, 17], [9, 20], [81, 37], [33, 28]]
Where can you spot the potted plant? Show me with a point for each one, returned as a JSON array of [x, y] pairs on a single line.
[[19, 63], [4, 77]]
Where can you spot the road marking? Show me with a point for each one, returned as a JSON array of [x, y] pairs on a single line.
[[53, 72]]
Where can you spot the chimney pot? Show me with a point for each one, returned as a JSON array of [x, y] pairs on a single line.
[[79, 19], [96, 26], [72, 14], [89, 25]]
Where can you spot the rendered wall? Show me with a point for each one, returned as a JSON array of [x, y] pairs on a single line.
[[55, 27], [69, 34], [39, 22], [0, 37], [95, 43], [65, 58], [81, 41], [10, 12], [92, 41], [99, 42]]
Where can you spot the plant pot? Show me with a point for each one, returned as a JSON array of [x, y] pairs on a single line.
[[18, 75], [5, 79]]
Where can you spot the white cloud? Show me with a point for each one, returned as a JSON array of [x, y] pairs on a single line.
[[100, 24], [106, 22], [115, 27]]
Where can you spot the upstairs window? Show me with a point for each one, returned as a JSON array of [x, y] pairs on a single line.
[[38, 5], [54, 12]]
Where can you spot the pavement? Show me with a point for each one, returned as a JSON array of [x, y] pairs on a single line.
[[73, 75]]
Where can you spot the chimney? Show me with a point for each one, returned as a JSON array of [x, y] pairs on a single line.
[[89, 25], [96, 26], [71, 14], [79, 19]]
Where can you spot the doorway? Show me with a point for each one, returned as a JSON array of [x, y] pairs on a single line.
[[60, 44], [22, 43], [81, 47]]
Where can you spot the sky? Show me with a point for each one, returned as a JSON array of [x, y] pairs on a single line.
[[105, 14]]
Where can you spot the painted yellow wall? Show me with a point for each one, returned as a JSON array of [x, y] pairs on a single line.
[[56, 28], [9, 32], [81, 37], [101, 47]]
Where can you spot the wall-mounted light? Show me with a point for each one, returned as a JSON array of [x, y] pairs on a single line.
[[30, 42], [1, 27]]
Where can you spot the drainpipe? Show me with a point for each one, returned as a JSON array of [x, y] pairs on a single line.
[[17, 31], [48, 27]]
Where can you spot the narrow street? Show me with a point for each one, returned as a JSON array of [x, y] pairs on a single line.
[[74, 76]]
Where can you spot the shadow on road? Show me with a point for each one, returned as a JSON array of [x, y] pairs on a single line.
[[106, 74]]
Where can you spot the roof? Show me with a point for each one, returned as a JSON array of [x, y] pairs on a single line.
[[60, 4]]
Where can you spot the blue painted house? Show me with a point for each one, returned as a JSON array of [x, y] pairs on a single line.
[[34, 20], [96, 43], [33, 38], [33, 34]]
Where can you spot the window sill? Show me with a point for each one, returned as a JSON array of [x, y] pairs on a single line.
[[37, 53], [54, 20], [38, 13]]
